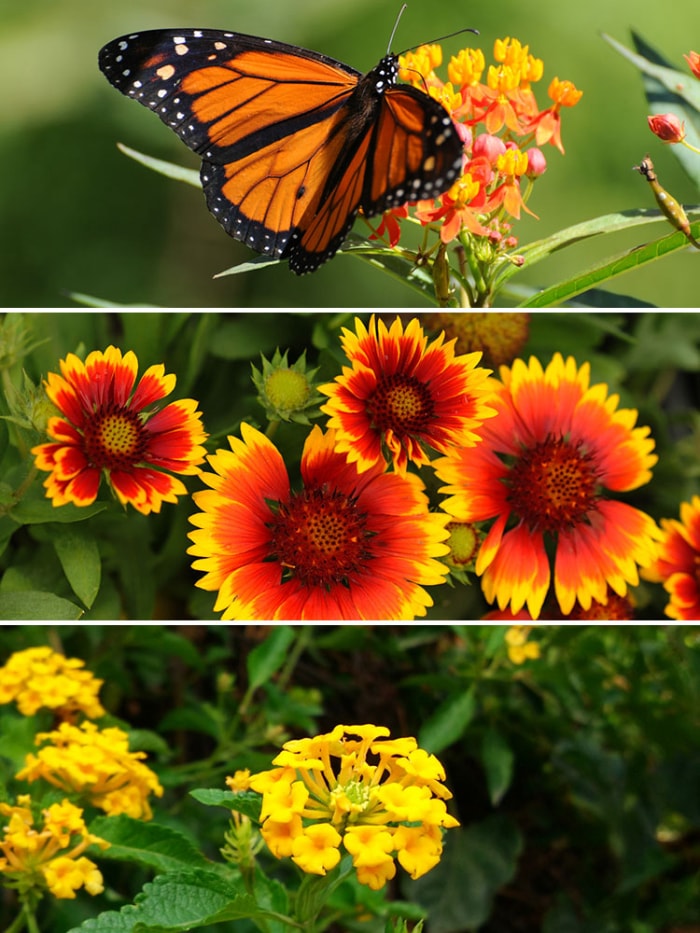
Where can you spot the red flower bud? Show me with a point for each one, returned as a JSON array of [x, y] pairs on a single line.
[[693, 59], [536, 163], [667, 127]]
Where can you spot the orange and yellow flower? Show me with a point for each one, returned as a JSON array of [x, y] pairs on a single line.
[[678, 562], [107, 427], [403, 396], [541, 473], [381, 799], [38, 678], [345, 546], [48, 855]]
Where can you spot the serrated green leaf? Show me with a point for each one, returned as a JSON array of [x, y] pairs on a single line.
[[178, 902], [497, 758], [448, 723], [158, 847], [267, 657], [189, 175], [35, 606], [79, 555]]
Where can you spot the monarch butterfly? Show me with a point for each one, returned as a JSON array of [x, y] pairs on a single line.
[[293, 143]]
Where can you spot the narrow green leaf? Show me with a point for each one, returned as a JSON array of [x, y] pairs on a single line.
[[89, 301], [135, 841], [497, 759], [35, 606], [678, 83], [608, 269], [79, 555], [269, 656], [607, 223], [189, 175], [448, 723]]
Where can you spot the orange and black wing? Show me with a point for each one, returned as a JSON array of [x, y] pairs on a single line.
[[292, 142]]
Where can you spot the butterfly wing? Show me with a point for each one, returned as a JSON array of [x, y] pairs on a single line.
[[292, 142]]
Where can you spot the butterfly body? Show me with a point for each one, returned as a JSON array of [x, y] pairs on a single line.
[[293, 143]]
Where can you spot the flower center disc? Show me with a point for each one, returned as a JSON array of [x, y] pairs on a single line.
[[114, 439], [400, 404], [552, 486], [318, 536]]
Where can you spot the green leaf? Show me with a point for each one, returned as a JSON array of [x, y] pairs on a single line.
[[476, 862], [608, 269], [497, 759], [37, 511], [448, 723], [607, 223], [269, 656], [35, 606], [79, 555], [189, 175], [178, 902], [159, 847], [248, 803]]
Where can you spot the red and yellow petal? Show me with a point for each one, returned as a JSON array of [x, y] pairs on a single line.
[[152, 387], [146, 489]]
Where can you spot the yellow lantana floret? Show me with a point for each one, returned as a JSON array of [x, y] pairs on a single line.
[[96, 763], [39, 678], [49, 855], [381, 798]]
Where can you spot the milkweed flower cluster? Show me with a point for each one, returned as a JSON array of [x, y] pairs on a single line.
[[381, 799], [95, 763], [39, 678], [109, 426], [542, 475], [502, 127], [48, 854]]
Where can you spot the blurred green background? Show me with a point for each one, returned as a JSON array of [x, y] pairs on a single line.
[[78, 216]]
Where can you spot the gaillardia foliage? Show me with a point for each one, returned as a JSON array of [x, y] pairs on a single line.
[[380, 799], [107, 429], [402, 397], [547, 460], [347, 545]]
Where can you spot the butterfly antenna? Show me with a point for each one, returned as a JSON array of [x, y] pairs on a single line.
[[396, 26], [439, 38]]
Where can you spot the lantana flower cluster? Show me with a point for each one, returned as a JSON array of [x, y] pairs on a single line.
[[502, 127], [96, 763], [39, 678], [48, 854], [379, 799]]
